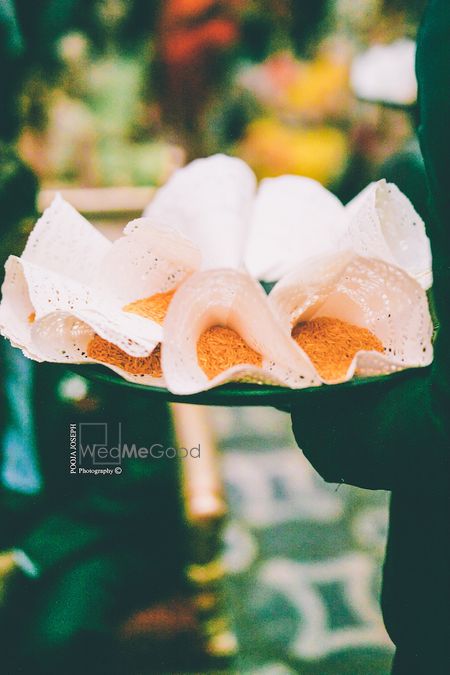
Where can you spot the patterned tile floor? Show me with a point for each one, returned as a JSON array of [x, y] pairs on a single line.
[[305, 557]]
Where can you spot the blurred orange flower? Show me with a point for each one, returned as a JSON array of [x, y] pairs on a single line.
[[189, 28]]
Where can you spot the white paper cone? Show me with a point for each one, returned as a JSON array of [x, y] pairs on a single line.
[[145, 261], [367, 293], [293, 219], [209, 201], [383, 224], [64, 242], [68, 267], [16, 309], [61, 337], [233, 299]]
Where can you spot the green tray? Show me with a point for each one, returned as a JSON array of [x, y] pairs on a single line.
[[240, 394]]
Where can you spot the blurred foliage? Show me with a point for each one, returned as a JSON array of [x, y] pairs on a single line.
[[120, 92], [18, 189]]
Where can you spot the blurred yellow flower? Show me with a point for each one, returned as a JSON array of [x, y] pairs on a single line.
[[272, 149], [308, 89], [320, 84]]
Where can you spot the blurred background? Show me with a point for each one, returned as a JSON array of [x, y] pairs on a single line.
[[257, 566]]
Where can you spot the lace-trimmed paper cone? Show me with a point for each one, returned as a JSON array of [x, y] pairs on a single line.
[[63, 334], [383, 224], [209, 201], [230, 299], [57, 273], [31, 293], [293, 219], [367, 293], [147, 260], [63, 241], [101, 280], [16, 309]]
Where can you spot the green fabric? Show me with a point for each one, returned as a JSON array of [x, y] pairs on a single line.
[[78, 515], [433, 71], [104, 546], [407, 171], [66, 624], [398, 437], [11, 37]]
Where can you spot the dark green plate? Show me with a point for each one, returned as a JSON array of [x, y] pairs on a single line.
[[236, 394]]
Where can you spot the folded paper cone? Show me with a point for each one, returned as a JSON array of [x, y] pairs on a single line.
[[68, 269], [146, 261], [365, 293], [231, 300], [383, 224], [293, 219], [209, 201]]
